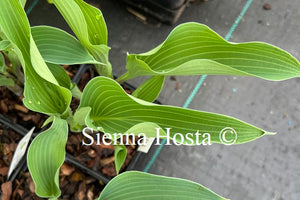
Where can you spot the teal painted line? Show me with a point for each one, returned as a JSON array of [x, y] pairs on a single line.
[[200, 82], [31, 7], [155, 155], [194, 92], [238, 19]]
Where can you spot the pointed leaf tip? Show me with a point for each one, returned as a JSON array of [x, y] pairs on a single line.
[[270, 133]]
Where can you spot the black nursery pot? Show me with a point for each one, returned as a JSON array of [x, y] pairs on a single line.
[[166, 11]]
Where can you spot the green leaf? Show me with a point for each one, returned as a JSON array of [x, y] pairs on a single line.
[[77, 122], [60, 75], [45, 97], [86, 21], [76, 91], [4, 81], [23, 2], [39, 64], [2, 63], [116, 112], [45, 156], [195, 49], [100, 53], [120, 156], [95, 23], [150, 89], [149, 127], [88, 24], [139, 185], [42, 91], [4, 44], [48, 120], [57, 46]]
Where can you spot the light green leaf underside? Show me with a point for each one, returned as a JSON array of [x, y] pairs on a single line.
[[39, 64], [149, 127], [120, 156], [85, 20], [48, 120], [77, 122], [23, 2], [150, 89], [57, 46], [75, 91], [4, 44], [88, 24], [135, 185], [194, 49], [100, 53], [42, 92], [96, 24], [45, 156], [116, 112]]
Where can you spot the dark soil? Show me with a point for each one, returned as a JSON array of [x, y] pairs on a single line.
[[12, 107]]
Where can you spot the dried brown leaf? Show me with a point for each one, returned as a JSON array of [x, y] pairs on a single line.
[[66, 169], [106, 161], [6, 190]]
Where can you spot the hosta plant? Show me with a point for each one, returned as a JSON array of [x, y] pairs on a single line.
[[190, 49]]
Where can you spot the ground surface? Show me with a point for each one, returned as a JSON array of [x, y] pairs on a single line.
[[266, 169]]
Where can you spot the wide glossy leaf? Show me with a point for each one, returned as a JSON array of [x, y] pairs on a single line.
[[195, 49], [45, 156], [57, 46], [42, 92], [120, 156], [139, 185], [115, 111], [150, 89], [89, 27]]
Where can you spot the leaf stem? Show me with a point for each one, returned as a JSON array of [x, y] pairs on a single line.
[[123, 78], [76, 91], [16, 89]]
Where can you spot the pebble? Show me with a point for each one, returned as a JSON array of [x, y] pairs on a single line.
[[267, 6], [173, 78]]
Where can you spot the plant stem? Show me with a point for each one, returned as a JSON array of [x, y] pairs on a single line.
[[104, 70], [16, 89], [99, 54], [17, 71], [123, 78], [76, 92]]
